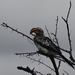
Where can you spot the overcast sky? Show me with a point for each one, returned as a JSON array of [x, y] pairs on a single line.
[[24, 15]]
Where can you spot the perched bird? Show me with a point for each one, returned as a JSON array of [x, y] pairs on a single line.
[[46, 45]]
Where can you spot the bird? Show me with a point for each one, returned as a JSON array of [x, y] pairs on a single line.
[[46, 45]]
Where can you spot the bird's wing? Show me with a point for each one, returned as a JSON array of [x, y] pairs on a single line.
[[52, 45], [46, 43]]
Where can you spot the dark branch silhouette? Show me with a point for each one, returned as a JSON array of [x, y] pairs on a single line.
[[7, 26], [54, 65], [27, 69], [68, 33]]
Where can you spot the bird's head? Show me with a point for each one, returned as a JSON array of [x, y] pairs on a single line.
[[37, 31]]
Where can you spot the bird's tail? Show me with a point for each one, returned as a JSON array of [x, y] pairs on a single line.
[[68, 61]]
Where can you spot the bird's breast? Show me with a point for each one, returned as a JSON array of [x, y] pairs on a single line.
[[45, 50]]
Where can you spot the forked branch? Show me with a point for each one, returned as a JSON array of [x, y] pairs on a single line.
[[68, 33], [27, 69]]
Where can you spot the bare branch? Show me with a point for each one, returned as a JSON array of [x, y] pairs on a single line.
[[56, 26], [39, 73], [27, 69], [59, 64], [31, 54], [67, 25], [7, 26], [68, 32], [40, 63], [66, 72], [48, 32], [54, 65], [68, 11], [64, 50], [55, 34], [27, 54]]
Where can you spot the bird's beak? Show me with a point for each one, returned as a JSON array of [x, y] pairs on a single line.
[[34, 30]]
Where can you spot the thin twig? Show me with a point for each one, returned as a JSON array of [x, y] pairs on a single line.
[[68, 33], [27, 54], [31, 54], [66, 72], [59, 64], [40, 62], [54, 65], [7, 26], [48, 32], [55, 34], [39, 73], [56, 26], [27, 69], [68, 11], [67, 25], [64, 50]]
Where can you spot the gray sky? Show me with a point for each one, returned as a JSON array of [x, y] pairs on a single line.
[[24, 15]]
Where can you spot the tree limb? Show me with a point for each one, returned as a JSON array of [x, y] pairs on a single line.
[[7, 26], [54, 65], [31, 54], [27, 69], [68, 33]]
